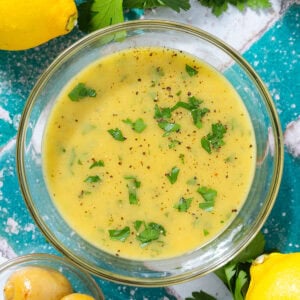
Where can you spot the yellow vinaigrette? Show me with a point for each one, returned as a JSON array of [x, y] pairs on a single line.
[[149, 153]]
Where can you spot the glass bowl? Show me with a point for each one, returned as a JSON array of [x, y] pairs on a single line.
[[268, 169], [81, 281]]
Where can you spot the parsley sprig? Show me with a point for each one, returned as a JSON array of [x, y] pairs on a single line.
[[96, 14], [214, 140]]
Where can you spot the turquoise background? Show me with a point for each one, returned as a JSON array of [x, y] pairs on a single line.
[[276, 58]]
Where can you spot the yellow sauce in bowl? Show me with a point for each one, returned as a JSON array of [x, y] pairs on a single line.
[[149, 153]]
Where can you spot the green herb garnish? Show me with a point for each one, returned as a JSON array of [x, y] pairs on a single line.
[[193, 106], [173, 144], [214, 140], [99, 163], [191, 71], [183, 204], [81, 91], [209, 196], [138, 126], [133, 185], [117, 134], [152, 231], [92, 179], [162, 113], [119, 234], [173, 174], [168, 127], [201, 295]]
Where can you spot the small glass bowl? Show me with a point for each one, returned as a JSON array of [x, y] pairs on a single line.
[[81, 281], [269, 149]]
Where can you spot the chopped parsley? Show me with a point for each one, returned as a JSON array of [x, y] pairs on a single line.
[[193, 106], [173, 144], [162, 113], [81, 91], [92, 179], [209, 196], [173, 174], [119, 234], [138, 126], [168, 127], [99, 163], [183, 204], [117, 134], [191, 71], [133, 185], [152, 231], [214, 140]]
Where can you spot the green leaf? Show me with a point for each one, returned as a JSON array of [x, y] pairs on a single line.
[[240, 282], [92, 179], [173, 144], [173, 4], [191, 71], [138, 126], [168, 127], [209, 196], [151, 233], [183, 204], [137, 224], [99, 163], [132, 186], [119, 234], [81, 91], [201, 295], [214, 140], [96, 14], [173, 174], [117, 134], [162, 113]]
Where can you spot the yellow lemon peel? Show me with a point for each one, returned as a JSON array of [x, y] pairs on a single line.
[[275, 276], [27, 24]]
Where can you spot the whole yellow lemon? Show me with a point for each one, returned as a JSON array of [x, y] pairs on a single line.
[[27, 24], [36, 283], [275, 276]]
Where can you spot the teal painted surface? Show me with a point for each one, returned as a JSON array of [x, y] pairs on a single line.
[[275, 57]]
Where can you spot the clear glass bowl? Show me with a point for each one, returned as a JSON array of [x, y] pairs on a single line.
[[81, 281], [257, 100]]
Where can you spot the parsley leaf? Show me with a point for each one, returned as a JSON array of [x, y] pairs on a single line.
[[173, 4], [99, 163], [152, 231], [183, 204], [81, 91], [191, 71], [220, 6], [214, 140], [117, 134], [173, 174], [138, 126], [92, 179], [209, 196], [168, 127], [119, 234], [96, 14], [133, 185], [201, 296], [162, 113], [236, 273], [193, 106]]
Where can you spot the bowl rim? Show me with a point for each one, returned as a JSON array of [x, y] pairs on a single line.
[[156, 24]]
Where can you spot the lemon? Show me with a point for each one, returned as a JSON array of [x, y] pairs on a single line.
[[275, 277], [27, 24]]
